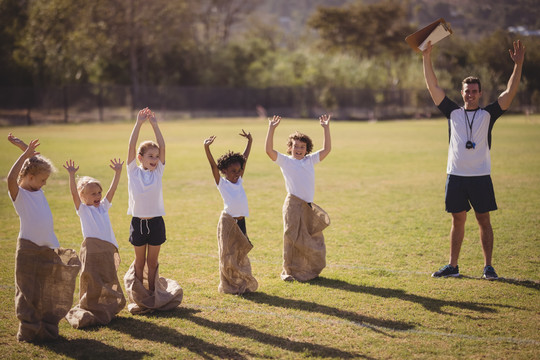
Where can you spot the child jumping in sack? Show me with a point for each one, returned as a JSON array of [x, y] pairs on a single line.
[[304, 250], [45, 273], [233, 242], [100, 292], [146, 290]]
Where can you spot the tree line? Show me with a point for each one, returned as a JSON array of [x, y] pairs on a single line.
[[227, 43]]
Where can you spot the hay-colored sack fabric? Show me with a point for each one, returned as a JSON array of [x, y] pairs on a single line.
[[44, 287], [166, 296], [100, 293], [304, 251], [235, 275]]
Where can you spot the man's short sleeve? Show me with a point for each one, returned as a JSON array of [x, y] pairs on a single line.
[[447, 106], [494, 110]]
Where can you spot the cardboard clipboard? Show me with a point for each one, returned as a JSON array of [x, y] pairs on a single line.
[[434, 32]]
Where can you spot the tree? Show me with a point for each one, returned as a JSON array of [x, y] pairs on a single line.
[[217, 17], [117, 41], [13, 17], [364, 30], [492, 52], [152, 39]]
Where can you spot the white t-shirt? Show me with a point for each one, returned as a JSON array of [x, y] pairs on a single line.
[[234, 197], [36, 218], [469, 125], [299, 175], [95, 222], [145, 191]]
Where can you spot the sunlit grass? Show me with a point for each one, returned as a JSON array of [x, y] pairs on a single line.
[[383, 186]]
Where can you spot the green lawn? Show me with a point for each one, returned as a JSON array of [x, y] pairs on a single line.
[[383, 186]]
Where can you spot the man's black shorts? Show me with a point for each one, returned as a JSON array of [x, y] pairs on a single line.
[[464, 191], [147, 231]]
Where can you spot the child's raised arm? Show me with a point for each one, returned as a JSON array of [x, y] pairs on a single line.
[[116, 165], [17, 142], [247, 150], [132, 151], [327, 143], [13, 185], [272, 124], [71, 169], [213, 165], [159, 137]]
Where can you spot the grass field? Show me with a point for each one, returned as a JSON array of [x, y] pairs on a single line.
[[383, 186]]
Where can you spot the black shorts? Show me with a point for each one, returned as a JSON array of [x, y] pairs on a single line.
[[147, 231], [242, 225], [464, 191]]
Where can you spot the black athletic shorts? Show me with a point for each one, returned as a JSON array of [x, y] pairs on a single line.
[[242, 225], [147, 231], [464, 191]]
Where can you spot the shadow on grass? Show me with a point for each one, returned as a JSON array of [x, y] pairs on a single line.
[[235, 329], [90, 349], [431, 304], [525, 283], [377, 325], [141, 329]]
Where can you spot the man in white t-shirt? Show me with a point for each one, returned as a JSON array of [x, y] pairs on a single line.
[[469, 164]]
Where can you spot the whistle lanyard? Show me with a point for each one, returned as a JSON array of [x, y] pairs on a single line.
[[469, 124]]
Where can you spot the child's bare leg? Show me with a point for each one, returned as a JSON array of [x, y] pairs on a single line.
[[152, 262], [140, 260]]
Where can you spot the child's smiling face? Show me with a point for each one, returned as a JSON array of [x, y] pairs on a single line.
[[150, 159], [233, 172], [298, 149], [91, 194]]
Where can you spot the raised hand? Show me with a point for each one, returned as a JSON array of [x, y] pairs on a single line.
[[210, 140], [518, 55], [116, 165], [246, 135], [17, 142], [427, 49], [72, 169], [151, 116], [325, 120], [142, 116], [31, 149], [70, 166], [274, 122]]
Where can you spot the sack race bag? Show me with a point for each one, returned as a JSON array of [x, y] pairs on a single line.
[[100, 293], [166, 296], [44, 287], [304, 250], [235, 275]]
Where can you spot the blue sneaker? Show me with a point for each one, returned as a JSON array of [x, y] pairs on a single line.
[[489, 273], [446, 271]]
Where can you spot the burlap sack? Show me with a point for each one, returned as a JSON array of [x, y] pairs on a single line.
[[234, 267], [166, 296], [304, 251], [44, 287], [100, 293]]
